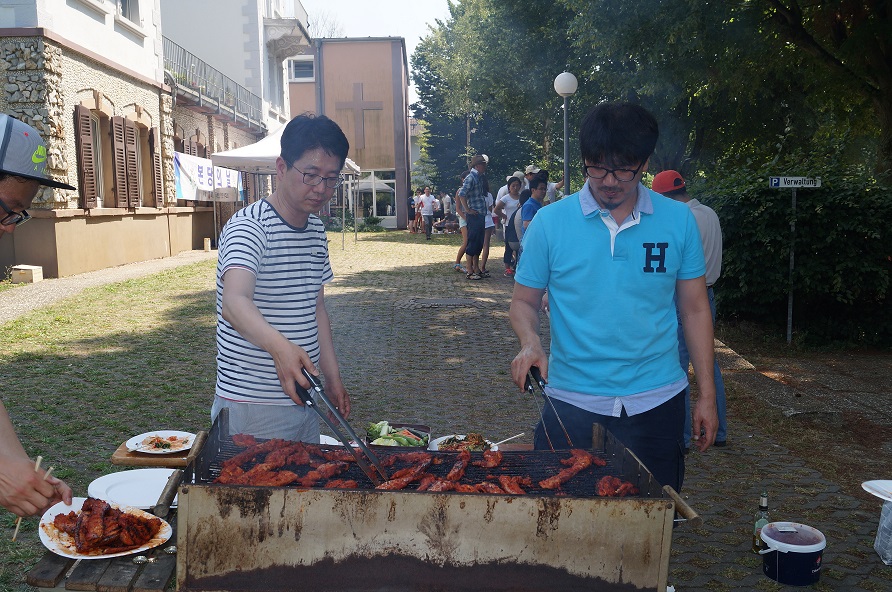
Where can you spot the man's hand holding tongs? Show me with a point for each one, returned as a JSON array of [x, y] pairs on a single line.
[[529, 355]]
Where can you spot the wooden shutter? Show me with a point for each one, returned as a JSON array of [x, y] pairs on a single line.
[[157, 170], [131, 144], [119, 154], [86, 156]]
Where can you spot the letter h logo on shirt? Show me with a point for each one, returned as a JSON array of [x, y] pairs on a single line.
[[655, 254]]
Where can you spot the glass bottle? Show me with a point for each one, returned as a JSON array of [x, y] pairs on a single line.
[[761, 519]]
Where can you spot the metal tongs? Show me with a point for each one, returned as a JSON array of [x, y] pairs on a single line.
[[377, 475], [534, 376]]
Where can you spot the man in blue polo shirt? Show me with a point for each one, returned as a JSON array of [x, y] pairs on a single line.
[[615, 258]]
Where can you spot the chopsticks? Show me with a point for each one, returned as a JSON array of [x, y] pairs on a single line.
[[511, 438], [46, 476]]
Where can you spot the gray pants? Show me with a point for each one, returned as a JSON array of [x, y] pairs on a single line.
[[289, 422]]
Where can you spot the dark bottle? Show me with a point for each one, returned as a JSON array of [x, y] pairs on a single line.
[[761, 520]]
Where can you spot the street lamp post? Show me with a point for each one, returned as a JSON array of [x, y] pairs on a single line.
[[565, 84]]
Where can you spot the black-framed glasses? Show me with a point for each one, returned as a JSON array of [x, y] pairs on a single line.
[[13, 218], [313, 180], [622, 175]]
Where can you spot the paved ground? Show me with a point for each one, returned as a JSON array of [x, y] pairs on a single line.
[[418, 341]]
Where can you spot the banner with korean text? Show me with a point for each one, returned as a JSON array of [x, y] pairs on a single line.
[[198, 180]]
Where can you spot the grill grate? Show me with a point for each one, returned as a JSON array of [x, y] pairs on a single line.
[[537, 465]]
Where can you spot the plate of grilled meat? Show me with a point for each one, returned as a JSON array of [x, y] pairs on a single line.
[[95, 529]]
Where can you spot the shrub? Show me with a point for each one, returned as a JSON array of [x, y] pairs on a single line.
[[842, 249]]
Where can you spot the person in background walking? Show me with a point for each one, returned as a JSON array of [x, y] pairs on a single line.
[[448, 204], [538, 186], [505, 208], [472, 197], [489, 227], [419, 219], [462, 228], [671, 184], [426, 206], [514, 229], [503, 190], [24, 489], [531, 172]]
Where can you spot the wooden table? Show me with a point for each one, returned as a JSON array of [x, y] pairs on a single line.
[[120, 574], [53, 572]]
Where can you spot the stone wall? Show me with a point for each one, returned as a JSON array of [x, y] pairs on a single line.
[[31, 71], [82, 78]]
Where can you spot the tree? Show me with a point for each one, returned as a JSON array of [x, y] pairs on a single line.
[[324, 24], [853, 41]]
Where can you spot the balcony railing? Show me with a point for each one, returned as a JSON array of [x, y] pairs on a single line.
[[208, 83]]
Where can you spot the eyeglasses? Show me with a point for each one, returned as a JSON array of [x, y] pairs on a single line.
[[622, 175], [13, 218], [313, 180]]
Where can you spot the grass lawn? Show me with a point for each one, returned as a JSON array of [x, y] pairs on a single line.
[[84, 375]]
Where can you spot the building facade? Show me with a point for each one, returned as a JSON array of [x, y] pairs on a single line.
[[362, 84], [114, 97]]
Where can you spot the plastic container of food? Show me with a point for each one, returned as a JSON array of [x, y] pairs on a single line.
[[420, 430]]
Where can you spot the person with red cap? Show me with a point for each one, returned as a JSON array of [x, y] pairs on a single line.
[[672, 185], [24, 489]]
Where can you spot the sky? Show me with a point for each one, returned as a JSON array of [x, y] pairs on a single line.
[[383, 18]]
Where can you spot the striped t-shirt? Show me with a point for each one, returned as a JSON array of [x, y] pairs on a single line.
[[291, 266]]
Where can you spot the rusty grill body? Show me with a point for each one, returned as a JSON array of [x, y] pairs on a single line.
[[234, 537]]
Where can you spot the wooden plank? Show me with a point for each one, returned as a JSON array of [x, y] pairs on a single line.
[[124, 457], [49, 571], [156, 575], [119, 576], [86, 574]]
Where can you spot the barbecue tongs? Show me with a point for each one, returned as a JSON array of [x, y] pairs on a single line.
[[534, 376], [376, 474]]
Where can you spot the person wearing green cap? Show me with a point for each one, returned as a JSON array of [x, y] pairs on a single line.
[[24, 490]]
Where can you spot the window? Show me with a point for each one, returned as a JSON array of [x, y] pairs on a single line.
[[119, 161], [129, 9], [301, 69]]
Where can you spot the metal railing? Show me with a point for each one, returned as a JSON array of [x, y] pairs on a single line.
[[191, 72]]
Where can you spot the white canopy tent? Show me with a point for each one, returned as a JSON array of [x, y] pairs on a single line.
[[260, 157]]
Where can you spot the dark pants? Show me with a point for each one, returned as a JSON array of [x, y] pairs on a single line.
[[654, 436], [428, 223], [508, 257], [476, 234]]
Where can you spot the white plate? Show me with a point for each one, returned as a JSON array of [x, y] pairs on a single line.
[[329, 441], [882, 489], [135, 444], [139, 488], [62, 544], [435, 444]]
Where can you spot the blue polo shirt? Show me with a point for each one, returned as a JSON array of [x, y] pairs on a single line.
[[529, 209], [611, 291]]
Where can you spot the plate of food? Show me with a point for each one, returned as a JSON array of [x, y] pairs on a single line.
[[161, 442], [138, 488], [95, 529], [457, 442]]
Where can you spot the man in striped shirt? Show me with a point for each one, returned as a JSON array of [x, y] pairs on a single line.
[[271, 271]]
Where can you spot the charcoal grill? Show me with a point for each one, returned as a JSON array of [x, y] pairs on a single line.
[[234, 537]]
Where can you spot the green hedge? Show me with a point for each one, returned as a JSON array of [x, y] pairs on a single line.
[[843, 251]]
